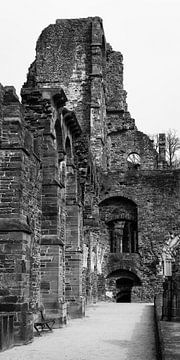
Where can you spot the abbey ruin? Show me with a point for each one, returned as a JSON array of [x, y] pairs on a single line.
[[87, 203]]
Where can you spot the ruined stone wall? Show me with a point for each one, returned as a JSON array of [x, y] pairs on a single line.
[[124, 143], [45, 108], [156, 194], [74, 60], [115, 93], [63, 60], [86, 204], [20, 216], [66, 62]]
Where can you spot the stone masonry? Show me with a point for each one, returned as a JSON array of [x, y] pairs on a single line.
[[86, 201]]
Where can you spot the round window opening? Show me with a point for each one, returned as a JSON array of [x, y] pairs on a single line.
[[134, 159]]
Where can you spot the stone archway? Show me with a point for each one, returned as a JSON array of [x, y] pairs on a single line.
[[121, 282]]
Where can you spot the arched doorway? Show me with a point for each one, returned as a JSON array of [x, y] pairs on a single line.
[[121, 282]]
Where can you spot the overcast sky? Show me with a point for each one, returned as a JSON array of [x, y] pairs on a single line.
[[147, 32]]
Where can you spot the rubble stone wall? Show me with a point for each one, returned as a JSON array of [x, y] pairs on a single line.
[[86, 204]]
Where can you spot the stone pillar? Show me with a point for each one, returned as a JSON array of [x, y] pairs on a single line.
[[167, 299], [20, 213], [129, 237], [118, 236], [98, 109], [162, 150], [73, 255], [53, 236]]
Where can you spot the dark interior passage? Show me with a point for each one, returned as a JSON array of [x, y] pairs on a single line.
[[124, 297], [123, 288]]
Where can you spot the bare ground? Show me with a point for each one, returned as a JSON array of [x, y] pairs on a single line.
[[109, 331]]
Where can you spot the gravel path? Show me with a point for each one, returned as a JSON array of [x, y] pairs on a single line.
[[109, 331]]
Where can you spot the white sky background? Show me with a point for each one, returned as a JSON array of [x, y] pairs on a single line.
[[147, 32]]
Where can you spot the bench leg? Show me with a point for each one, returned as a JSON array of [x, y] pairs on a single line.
[[37, 330], [48, 327]]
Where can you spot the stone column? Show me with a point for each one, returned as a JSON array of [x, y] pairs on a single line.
[[73, 253], [162, 150], [118, 236], [129, 237]]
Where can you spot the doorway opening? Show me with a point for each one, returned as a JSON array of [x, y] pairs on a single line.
[[120, 283]]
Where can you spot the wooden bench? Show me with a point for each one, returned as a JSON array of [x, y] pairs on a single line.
[[43, 323]]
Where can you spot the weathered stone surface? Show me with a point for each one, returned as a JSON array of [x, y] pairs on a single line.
[[86, 201]]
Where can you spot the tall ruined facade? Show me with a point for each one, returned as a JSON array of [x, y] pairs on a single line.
[[86, 201]]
